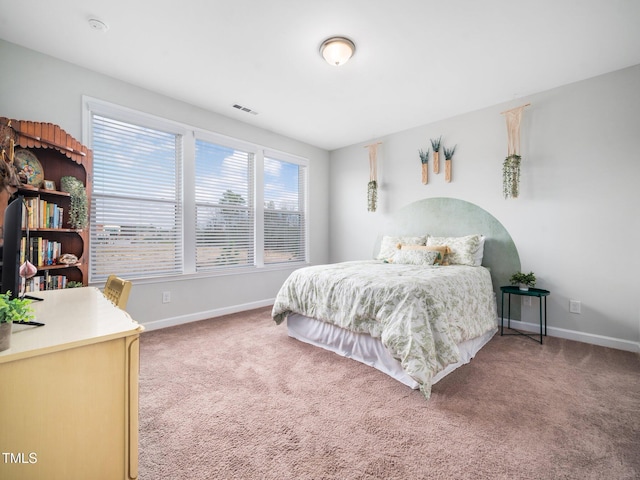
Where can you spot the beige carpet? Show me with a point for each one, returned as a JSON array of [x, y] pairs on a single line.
[[236, 398]]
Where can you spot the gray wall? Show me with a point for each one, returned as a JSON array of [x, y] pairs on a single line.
[[40, 88], [576, 223]]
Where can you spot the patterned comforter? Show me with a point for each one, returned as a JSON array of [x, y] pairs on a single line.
[[419, 313]]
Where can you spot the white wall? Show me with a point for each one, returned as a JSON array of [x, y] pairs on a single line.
[[576, 223], [40, 88]]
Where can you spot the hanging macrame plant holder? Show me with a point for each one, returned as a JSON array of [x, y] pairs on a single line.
[[372, 187], [511, 164]]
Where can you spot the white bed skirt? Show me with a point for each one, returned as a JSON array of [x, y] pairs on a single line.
[[368, 350]]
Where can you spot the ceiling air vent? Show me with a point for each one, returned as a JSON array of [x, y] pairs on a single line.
[[245, 109]]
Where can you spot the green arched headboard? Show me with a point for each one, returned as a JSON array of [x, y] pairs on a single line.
[[451, 217]]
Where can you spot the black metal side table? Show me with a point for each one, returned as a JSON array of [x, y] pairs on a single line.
[[532, 292]]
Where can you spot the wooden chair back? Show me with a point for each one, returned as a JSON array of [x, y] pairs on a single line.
[[117, 291]]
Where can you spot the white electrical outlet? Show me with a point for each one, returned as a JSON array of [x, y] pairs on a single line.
[[575, 306], [166, 297], [526, 301]]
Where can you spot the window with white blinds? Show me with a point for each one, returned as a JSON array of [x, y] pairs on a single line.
[[169, 199], [284, 211], [225, 212], [136, 206]]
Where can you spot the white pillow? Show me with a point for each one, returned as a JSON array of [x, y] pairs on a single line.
[[467, 250], [390, 245]]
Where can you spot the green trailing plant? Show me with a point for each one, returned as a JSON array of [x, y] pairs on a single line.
[[435, 145], [424, 159], [372, 196], [14, 309], [74, 284], [520, 278], [79, 208], [511, 176]]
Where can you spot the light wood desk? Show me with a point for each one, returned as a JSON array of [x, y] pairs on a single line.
[[69, 391]]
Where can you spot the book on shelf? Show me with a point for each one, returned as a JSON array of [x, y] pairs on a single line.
[[44, 282], [40, 251], [40, 213]]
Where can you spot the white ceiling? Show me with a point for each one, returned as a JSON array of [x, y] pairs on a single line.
[[417, 61]]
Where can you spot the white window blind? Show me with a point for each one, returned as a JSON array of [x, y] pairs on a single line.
[[225, 213], [136, 210], [284, 211]]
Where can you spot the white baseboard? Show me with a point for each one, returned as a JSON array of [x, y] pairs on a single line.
[[195, 317], [600, 340], [524, 326]]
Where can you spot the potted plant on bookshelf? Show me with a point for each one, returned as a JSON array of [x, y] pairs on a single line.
[[523, 280], [12, 310], [79, 210]]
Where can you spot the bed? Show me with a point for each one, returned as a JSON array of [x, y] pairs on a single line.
[[407, 312]]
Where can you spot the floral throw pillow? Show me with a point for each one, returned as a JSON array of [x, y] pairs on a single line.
[[390, 245], [415, 257], [466, 250]]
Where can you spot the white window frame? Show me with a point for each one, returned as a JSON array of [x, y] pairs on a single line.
[[190, 133]]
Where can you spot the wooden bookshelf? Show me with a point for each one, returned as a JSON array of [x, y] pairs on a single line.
[[59, 155]]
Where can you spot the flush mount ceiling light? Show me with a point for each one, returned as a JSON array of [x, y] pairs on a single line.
[[337, 50], [98, 25]]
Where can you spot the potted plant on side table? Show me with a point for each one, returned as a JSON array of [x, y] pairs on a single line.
[[523, 280], [12, 310]]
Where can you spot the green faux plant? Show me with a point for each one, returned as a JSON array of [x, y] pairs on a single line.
[[424, 159], [519, 278], [511, 176], [79, 209], [435, 143], [14, 309], [448, 152]]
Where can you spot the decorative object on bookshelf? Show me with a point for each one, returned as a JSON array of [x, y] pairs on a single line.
[[74, 284], [68, 259], [27, 269], [28, 167], [48, 184], [79, 211]]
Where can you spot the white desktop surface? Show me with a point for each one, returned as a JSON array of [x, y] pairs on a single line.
[[73, 317]]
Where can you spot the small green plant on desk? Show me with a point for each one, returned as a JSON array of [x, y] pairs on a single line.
[[12, 310], [524, 280]]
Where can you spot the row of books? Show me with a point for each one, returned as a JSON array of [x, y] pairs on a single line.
[[44, 282], [40, 213], [40, 251]]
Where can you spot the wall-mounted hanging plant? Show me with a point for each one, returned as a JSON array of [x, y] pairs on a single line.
[[424, 159], [448, 155], [435, 144], [511, 176], [511, 164], [372, 187]]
